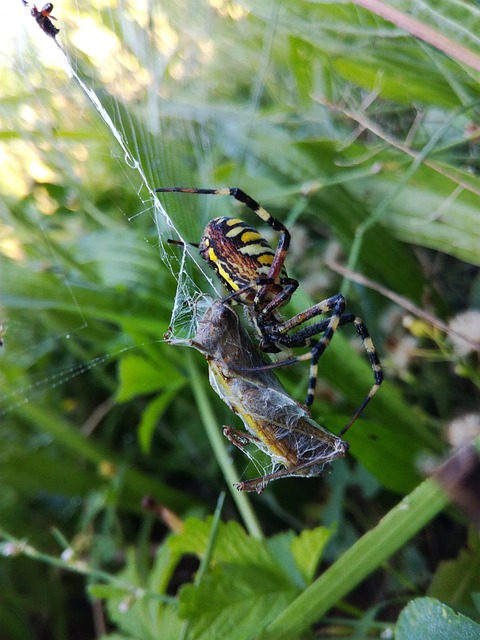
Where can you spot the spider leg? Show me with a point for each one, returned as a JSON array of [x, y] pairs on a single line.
[[303, 337], [288, 287], [376, 368], [335, 304], [338, 303], [304, 340], [373, 358], [289, 283]]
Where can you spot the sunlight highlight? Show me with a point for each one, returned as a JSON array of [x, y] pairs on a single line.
[[99, 44]]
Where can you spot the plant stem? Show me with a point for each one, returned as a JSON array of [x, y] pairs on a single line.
[[364, 557], [218, 445]]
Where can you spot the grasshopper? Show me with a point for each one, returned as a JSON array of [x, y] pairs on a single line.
[[274, 422]]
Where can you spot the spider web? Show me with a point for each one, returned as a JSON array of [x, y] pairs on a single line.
[[135, 157], [135, 71], [161, 96]]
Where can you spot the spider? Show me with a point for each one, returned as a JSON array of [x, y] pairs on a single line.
[[44, 19], [256, 277]]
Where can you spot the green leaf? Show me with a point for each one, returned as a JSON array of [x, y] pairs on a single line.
[[455, 580], [137, 483], [400, 80], [152, 414], [31, 471], [250, 581], [140, 614], [280, 547], [426, 213], [139, 376], [429, 619], [366, 555], [307, 549], [235, 601], [107, 591], [387, 453], [233, 545]]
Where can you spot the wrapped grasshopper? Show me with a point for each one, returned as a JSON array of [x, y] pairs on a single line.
[[276, 424]]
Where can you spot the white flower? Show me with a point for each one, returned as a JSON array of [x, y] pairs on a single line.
[[463, 430], [467, 324]]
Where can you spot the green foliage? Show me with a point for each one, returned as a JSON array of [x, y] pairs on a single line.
[[363, 138], [455, 581], [427, 618], [249, 581], [140, 612]]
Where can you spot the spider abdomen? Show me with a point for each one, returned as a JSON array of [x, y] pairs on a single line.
[[238, 254]]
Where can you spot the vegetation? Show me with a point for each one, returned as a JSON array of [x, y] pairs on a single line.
[[358, 127]]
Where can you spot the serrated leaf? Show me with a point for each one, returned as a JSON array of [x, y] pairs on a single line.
[[232, 546], [430, 619], [250, 580], [307, 549], [235, 601]]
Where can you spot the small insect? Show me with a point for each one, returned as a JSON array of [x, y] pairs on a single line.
[[44, 19], [274, 423], [256, 277]]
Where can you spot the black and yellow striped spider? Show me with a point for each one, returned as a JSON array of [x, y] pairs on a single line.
[[256, 277]]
